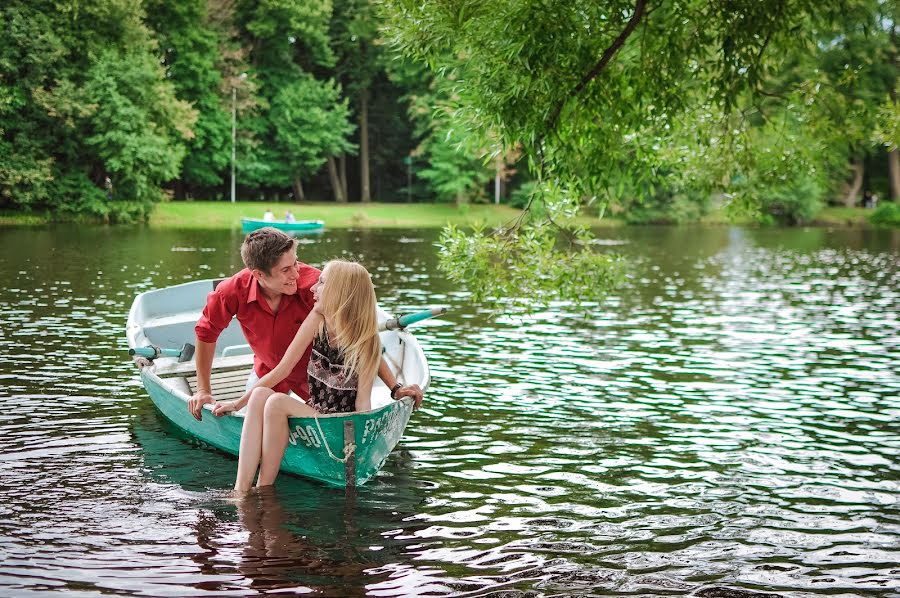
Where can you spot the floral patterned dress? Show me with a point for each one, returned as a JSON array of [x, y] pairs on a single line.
[[331, 388]]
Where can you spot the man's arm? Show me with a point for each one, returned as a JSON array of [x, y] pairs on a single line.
[[410, 390], [221, 306], [203, 356]]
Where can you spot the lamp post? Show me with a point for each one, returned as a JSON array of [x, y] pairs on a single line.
[[233, 135], [499, 165], [408, 161], [234, 130]]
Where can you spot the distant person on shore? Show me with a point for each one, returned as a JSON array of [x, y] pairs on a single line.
[[289, 217], [346, 353], [870, 200], [268, 216], [271, 298]]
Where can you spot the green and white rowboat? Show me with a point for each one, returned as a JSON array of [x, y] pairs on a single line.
[[339, 450], [249, 225]]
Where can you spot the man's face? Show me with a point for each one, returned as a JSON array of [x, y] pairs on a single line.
[[282, 278]]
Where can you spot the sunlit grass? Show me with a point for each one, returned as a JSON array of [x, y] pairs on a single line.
[[843, 216], [212, 215], [225, 215]]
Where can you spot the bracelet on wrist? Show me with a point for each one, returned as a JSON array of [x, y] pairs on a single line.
[[394, 390]]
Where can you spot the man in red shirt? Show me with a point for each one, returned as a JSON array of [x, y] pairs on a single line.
[[270, 298]]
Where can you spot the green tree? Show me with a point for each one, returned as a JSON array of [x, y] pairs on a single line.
[[311, 125], [85, 99], [285, 41], [144, 148], [191, 44], [845, 83], [452, 160], [354, 30], [608, 96]]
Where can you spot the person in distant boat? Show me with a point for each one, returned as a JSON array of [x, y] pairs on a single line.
[[269, 216], [289, 217], [271, 298], [346, 353]]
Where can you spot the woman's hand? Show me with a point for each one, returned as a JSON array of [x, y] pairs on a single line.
[[410, 390], [224, 407]]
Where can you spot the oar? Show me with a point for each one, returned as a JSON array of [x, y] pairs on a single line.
[[151, 352], [401, 322]]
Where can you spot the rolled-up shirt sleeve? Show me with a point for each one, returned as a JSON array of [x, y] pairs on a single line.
[[221, 307]]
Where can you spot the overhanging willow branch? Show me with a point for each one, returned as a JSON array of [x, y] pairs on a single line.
[[608, 54]]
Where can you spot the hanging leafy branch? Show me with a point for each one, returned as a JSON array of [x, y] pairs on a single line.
[[613, 101]]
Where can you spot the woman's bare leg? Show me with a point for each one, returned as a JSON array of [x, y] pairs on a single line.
[[275, 434], [251, 439]]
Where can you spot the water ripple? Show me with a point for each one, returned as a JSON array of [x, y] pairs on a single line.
[[726, 423]]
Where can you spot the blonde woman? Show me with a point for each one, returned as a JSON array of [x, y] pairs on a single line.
[[346, 354]]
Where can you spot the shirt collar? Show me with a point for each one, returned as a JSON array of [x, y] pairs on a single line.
[[253, 293]]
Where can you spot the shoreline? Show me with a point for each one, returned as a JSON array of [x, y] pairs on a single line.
[[208, 215]]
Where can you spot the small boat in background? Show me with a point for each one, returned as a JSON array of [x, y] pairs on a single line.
[[337, 449], [249, 225]]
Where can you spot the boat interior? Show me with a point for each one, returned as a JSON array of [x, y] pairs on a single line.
[[153, 321]]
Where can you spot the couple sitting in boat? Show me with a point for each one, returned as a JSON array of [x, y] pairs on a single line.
[[313, 334]]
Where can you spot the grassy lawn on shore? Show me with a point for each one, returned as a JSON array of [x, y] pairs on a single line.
[[842, 216], [208, 214], [225, 215]]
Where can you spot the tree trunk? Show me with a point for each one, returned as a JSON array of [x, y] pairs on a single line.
[[365, 194], [852, 188], [894, 173], [342, 165], [893, 156], [180, 190], [335, 181], [298, 190]]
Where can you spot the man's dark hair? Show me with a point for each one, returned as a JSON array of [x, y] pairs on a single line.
[[263, 248]]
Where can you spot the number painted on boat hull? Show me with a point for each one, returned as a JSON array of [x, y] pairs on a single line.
[[306, 435]]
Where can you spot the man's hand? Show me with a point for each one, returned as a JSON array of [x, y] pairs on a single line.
[[410, 390], [200, 398]]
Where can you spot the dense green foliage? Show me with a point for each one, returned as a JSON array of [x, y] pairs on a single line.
[[106, 108], [84, 99], [655, 110], [887, 214], [658, 109], [662, 110]]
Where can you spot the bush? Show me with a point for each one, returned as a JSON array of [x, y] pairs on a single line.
[[887, 214], [667, 209], [794, 202]]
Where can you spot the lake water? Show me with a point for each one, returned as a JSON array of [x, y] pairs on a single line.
[[728, 422]]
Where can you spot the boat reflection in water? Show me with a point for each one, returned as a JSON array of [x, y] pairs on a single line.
[[297, 536], [284, 550]]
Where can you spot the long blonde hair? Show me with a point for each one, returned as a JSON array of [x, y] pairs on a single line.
[[348, 302]]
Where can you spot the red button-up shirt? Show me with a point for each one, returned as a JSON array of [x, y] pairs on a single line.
[[267, 334]]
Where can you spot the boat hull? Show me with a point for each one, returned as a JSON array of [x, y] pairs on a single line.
[[166, 318], [249, 225], [373, 435]]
